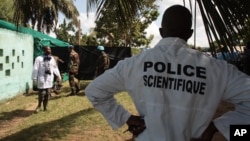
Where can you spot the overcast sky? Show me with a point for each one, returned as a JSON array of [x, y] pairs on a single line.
[[88, 22]]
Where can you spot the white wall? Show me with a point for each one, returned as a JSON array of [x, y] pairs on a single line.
[[16, 63]]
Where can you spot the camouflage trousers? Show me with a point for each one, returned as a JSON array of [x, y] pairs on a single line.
[[74, 84]]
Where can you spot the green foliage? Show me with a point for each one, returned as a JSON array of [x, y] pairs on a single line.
[[68, 32], [136, 51], [92, 41], [109, 33], [124, 10], [43, 14], [7, 11], [62, 32], [226, 22]]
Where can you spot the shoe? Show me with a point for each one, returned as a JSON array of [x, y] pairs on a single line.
[[37, 110], [71, 94], [77, 91]]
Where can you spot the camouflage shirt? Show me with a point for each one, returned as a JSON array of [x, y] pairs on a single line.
[[74, 62]]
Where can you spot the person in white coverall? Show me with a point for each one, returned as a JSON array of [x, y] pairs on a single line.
[[176, 90], [44, 69]]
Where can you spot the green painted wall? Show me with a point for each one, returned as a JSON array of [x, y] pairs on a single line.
[[16, 63]]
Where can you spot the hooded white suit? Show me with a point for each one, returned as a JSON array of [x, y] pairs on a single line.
[[176, 89]]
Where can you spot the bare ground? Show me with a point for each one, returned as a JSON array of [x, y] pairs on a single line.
[[7, 125]]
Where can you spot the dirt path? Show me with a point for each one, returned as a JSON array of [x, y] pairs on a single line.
[[6, 126]]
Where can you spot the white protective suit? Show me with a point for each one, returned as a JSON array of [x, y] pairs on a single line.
[[176, 89], [44, 80]]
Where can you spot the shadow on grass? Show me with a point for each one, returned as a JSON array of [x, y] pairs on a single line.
[[15, 113], [53, 130]]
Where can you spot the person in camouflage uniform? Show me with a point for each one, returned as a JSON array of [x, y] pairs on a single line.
[[73, 65], [103, 61]]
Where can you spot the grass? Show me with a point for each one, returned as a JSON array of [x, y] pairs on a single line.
[[68, 118]]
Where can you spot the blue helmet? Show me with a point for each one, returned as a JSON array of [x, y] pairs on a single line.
[[101, 48], [70, 46]]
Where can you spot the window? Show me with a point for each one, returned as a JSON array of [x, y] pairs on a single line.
[[1, 67], [7, 73], [13, 52], [1, 52], [7, 59]]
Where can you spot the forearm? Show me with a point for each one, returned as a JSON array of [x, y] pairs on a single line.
[[208, 134], [231, 118], [101, 94], [115, 114], [212, 129], [237, 93], [105, 103]]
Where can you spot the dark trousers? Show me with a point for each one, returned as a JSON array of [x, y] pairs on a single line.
[[43, 97]]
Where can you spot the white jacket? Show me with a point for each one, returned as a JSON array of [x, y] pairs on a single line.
[[44, 80], [176, 89]]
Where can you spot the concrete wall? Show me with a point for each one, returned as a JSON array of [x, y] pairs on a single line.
[[16, 63]]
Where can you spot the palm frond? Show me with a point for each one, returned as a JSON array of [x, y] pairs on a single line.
[[125, 10], [225, 22], [43, 14]]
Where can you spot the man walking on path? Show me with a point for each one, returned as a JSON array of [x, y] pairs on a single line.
[[43, 76]]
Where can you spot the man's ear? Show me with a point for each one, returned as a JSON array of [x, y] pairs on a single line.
[[190, 33]]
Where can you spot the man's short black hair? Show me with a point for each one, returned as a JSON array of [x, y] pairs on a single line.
[[177, 19], [44, 47]]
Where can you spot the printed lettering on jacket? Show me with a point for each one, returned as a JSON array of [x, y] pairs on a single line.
[[185, 78]]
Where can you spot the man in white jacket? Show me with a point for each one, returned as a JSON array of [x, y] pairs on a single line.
[[176, 90], [44, 69]]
